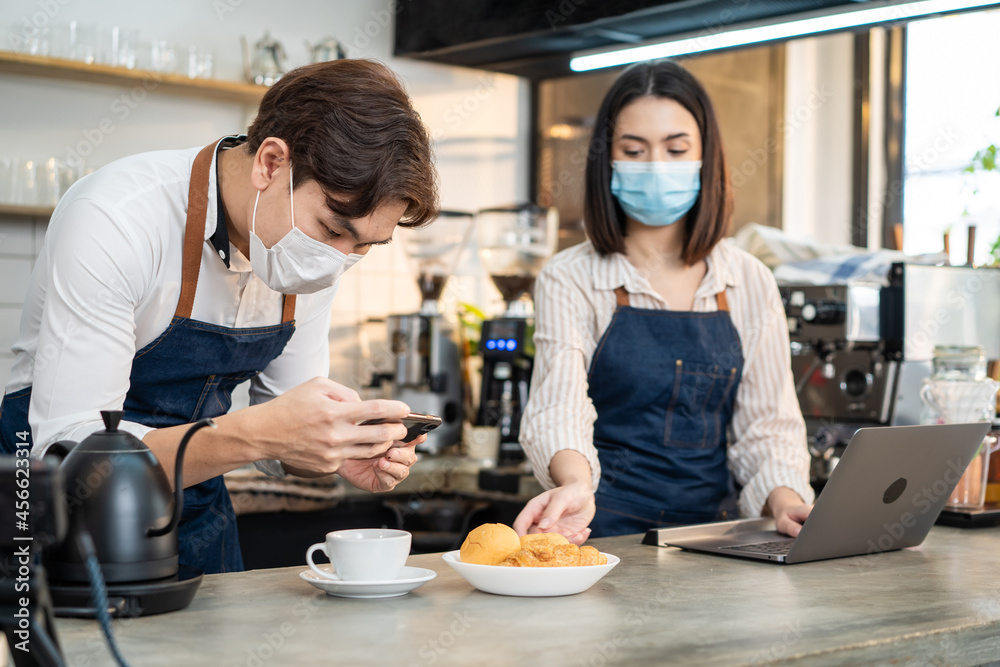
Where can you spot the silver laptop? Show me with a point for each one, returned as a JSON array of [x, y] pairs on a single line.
[[885, 494]]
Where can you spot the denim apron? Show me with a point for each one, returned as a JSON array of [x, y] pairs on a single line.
[[663, 383], [186, 374]]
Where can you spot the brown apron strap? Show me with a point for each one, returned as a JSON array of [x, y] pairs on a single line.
[[288, 312], [194, 230], [621, 297], [721, 302], [194, 237]]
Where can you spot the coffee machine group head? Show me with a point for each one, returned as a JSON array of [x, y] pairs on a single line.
[[427, 371], [515, 242]]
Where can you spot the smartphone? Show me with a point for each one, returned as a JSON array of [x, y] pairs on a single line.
[[415, 423]]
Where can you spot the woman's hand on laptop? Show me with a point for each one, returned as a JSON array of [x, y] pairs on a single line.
[[788, 510]]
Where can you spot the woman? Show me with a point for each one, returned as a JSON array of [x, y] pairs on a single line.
[[655, 337]]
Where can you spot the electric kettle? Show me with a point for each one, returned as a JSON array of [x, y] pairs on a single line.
[[263, 67], [116, 490], [328, 49]]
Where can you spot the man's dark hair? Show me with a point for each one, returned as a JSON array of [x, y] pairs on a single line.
[[707, 222], [350, 126]]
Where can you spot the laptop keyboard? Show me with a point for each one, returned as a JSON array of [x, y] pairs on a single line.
[[776, 547]]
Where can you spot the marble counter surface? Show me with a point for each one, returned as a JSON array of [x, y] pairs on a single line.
[[937, 604]]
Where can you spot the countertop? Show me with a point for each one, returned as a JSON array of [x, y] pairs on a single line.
[[937, 604]]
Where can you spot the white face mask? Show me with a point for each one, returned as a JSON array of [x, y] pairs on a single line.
[[298, 263]]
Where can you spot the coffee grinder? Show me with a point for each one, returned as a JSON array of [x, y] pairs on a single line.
[[427, 372], [514, 244]]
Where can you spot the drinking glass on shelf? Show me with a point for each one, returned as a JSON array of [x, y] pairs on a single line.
[[118, 46], [70, 174], [128, 50], [199, 62], [8, 173], [162, 56], [10, 40], [206, 63], [195, 61], [49, 182], [63, 33], [26, 183], [77, 41], [37, 41], [22, 38], [187, 60]]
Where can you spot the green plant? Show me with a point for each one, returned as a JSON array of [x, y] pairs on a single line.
[[995, 252], [985, 160], [470, 321]]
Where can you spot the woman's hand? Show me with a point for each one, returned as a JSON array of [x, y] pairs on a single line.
[[315, 428], [382, 473], [788, 510], [565, 509]]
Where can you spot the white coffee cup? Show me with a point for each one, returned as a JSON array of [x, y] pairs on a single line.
[[363, 554]]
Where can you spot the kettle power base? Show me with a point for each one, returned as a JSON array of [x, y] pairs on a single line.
[[131, 599], [989, 515]]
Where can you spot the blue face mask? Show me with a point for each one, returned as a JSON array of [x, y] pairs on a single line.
[[656, 193]]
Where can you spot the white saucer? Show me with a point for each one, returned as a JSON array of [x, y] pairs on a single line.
[[408, 579]]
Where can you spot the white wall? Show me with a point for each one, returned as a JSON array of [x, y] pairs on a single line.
[[819, 95], [478, 121]]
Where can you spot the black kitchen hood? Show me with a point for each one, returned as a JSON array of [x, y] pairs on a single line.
[[535, 38]]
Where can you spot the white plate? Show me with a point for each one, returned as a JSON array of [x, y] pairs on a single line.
[[530, 581], [408, 579]]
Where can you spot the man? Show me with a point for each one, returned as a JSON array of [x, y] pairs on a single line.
[[168, 278]]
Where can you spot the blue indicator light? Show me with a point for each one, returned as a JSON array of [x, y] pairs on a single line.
[[491, 345], [511, 344], [501, 344]]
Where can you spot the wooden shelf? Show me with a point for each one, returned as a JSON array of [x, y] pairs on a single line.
[[174, 84], [26, 211]]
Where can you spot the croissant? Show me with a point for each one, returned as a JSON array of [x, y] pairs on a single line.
[[552, 550]]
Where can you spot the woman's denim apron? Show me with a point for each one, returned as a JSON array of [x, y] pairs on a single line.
[[663, 384], [186, 374]]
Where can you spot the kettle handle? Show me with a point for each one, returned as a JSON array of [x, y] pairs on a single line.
[[59, 449], [179, 479]]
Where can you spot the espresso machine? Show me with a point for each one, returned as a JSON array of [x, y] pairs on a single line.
[[427, 369], [515, 242], [860, 350]]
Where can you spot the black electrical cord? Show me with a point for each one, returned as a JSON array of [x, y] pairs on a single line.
[[99, 595]]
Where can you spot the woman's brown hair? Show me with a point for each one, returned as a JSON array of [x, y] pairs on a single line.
[[707, 222], [350, 126]]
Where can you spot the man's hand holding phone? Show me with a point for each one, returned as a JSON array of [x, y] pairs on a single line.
[[416, 424], [319, 428], [383, 472]]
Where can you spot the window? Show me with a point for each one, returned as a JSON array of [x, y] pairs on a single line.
[[952, 96]]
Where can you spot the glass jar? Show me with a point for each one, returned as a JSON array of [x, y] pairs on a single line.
[[957, 392], [958, 362], [993, 470]]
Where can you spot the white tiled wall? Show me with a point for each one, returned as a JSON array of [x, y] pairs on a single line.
[[20, 242]]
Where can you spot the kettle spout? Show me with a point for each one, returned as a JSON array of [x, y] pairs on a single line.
[[179, 479]]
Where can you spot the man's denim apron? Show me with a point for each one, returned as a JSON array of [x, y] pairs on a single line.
[[186, 374], [663, 384]]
